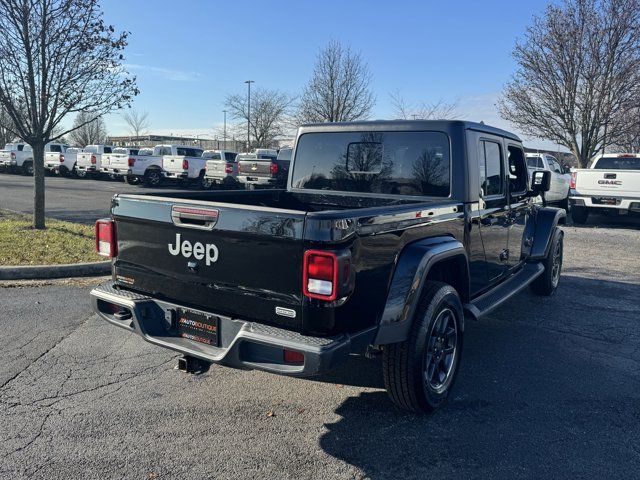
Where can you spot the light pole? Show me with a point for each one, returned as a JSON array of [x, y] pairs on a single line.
[[224, 130], [249, 82]]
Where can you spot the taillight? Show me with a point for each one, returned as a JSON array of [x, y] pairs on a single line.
[[13, 155], [61, 158], [106, 237], [320, 275], [185, 164], [94, 160], [239, 169], [131, 161], [572, 182], [274, 168], [228, 168]]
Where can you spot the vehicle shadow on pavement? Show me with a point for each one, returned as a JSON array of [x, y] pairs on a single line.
[[546, 390]]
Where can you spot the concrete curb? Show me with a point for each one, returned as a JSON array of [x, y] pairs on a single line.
[[39, 272]]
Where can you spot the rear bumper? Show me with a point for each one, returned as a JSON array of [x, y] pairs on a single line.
[[256, 180], [115, 171], [242, 344], [177, 175], [622, 203], [89, 168]]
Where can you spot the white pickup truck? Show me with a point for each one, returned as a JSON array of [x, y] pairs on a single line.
[[61, 159], [117, 162], [90, 160], [184, 164], [558, 193], [146, 167], [611, 184], [17, 157]]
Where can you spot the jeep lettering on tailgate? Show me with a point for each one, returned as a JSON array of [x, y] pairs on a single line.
[[199, 251]]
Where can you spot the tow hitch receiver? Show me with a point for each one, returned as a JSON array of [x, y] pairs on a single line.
[[192, 365]]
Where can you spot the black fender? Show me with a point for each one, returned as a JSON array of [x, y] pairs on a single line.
[[412, 269], [543, 227]]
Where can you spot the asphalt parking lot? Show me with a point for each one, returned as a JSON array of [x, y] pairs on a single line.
[[548, 388], [70, 199]]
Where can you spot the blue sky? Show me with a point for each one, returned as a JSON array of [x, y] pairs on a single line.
[[189, 54]]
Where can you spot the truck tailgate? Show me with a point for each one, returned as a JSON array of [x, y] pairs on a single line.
[[84, 159], [217, 168], [608, 182], [255, 167], [249, 262], [173, 163]]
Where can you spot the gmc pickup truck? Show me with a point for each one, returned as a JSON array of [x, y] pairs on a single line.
[[264, 168], [389, 237], [611, 185]]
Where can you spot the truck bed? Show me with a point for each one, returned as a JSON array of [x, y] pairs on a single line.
[[258, 242]]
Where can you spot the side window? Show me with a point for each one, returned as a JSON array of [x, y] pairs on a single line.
[[517, 170], [491, 171], [553, 165]]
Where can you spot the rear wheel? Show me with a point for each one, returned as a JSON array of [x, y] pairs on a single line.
[[419, 373], [579, 215], [27, 168], [152, 178], [203, 182], [131, 180], [547, 283]]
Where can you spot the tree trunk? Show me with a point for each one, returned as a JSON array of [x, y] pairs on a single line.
[[38, 186]]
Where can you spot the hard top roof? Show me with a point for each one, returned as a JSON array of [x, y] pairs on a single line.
[[400, 125]]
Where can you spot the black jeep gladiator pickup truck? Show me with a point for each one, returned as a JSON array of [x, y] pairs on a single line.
[[389, 236]]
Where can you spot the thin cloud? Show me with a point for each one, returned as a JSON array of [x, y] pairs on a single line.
[[166, 73]]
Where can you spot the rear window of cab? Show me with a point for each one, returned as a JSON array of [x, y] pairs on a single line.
[[394, 163]]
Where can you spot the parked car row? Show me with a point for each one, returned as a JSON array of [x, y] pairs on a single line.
[[184, 165]]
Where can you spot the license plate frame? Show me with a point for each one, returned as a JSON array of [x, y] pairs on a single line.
[[605, 200], [198, 326]]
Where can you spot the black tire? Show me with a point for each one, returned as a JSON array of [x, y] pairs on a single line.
[[203, 183], [152, 178], [131, 180], [579, 215], [434, 346], [27, 169], [547, 283]]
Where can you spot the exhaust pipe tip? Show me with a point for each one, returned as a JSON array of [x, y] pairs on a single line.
[[192, 365]]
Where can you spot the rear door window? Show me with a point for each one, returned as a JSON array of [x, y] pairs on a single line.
[[491, 169]]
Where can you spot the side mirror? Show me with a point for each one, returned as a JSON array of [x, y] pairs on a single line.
[[540, 182]]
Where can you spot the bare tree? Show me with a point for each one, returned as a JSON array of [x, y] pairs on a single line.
[[90, 130], [58, 57], [6, 129], [269, 111], [578, 76], [439, 110], [138, 122], [339, 90], [629, 141]]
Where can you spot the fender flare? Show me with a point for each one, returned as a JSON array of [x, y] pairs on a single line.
[[546, 221], [412, 269]]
